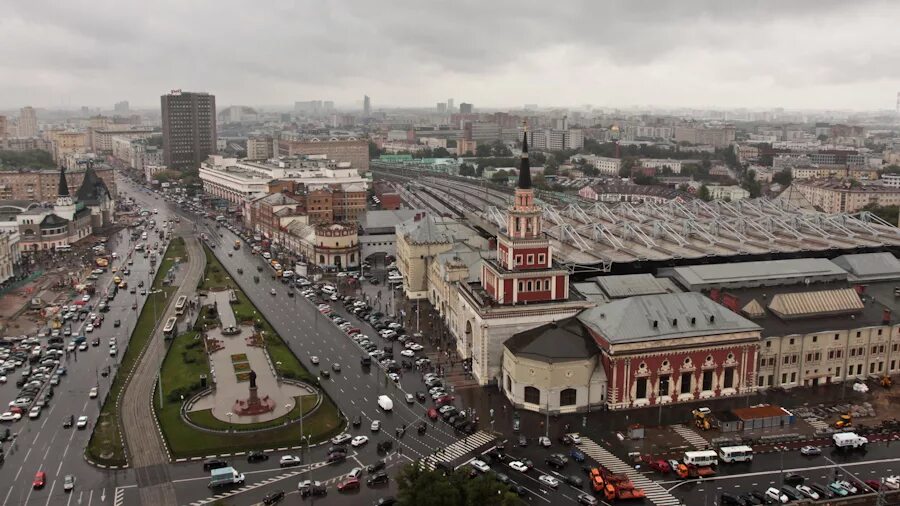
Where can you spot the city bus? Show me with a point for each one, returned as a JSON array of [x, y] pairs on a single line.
[[169, 329], [701, 458], [179, 305], [731, 454]]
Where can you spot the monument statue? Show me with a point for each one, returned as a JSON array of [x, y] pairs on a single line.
[[252, 379]]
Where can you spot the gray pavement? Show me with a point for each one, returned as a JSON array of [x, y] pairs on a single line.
[[146, 450]]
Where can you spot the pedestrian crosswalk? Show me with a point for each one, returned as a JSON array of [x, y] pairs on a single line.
[[655, 493], [817, 424], [459, 449], [688, 434], [263, 483]]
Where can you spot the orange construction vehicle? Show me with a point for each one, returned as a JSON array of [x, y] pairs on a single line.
[[614, 486], [685, 471]]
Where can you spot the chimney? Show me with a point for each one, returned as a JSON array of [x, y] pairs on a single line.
[[712, 318], [675, 322], [886, 317], [693, 320], [655, 324]]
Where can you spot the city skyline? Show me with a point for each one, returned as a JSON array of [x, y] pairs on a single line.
[[694, 55]]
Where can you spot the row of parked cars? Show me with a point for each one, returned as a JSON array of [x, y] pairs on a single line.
[[797, 488]]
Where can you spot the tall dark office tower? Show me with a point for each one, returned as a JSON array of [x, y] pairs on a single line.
[[189, 128], [367, 106]]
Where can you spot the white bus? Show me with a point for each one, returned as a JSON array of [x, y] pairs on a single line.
[[701, 458], [179, 305], [731, 454], [169, 329]]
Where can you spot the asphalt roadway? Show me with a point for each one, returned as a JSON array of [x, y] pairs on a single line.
[[43, 444]]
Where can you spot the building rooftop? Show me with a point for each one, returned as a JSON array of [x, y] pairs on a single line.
[[870, 266], [560, 341], [816, 312], [384, 222], [629, 285], [664, 316], [93, 189], [839, 301], [432, 229], [734, 275]]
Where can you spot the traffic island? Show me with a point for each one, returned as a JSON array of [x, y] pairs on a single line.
[[206, 372]]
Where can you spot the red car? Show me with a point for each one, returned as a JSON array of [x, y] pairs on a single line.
[[348, 484], [40, 479], [447, 399], [432, 413], [16, 409]]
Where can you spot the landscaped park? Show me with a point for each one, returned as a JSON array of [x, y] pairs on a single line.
[[231, 384]]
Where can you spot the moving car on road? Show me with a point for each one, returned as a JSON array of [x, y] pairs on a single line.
[[40, 479]]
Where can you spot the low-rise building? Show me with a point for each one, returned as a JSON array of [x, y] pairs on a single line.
[[623, 192], [604, 165], [730, 192], [838, 196], [660, 164]]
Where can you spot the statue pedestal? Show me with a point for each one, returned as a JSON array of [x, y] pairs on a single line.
[[253, 405]]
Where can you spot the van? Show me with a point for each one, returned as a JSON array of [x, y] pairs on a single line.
[[848, 440], [328, 289], [385, 403]]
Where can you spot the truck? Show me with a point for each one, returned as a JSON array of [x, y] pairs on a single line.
[[849, 440], [225, 476], [385, 403]]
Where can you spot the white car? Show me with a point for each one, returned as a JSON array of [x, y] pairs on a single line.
[[356, 472], [341, 439], [2, 379], [35, 412], [83, 346], [93, 393], [359, 441], [394, 377], [548, 480], [10, 417], [518, 466], [113, 351], [808, 492], [408, 353], [289, 460], [71, 347], [376, 426], [314, 359], [89, 327], [575, 438], [480, 465], [85, 298], [416, 347], [82, 422], [544, 441], [777, 495]]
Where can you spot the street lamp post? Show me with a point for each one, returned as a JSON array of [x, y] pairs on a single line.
[[229, 415]]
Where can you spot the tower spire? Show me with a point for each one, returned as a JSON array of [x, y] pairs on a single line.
[[63, 188], [524, 164]]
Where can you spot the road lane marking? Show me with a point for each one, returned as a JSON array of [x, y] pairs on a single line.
[[50, 495], [10, 491], [764, 473]]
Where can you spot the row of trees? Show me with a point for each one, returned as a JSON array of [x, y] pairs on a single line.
[[31, 159], [419, 486]]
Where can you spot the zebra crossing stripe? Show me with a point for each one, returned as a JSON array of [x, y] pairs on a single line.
[[458, 449], [654, 492], [691, 437]]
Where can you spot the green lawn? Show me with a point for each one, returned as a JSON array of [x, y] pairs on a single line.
[[180, 377], [105, 446]]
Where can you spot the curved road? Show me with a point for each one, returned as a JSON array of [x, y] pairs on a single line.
[[145, 447]]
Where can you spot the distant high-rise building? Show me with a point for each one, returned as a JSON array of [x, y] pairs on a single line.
[[441, 107], [28, 126], [898, 102], [367, 106], [4, 128], [189, 128], [122, 107], [311, 107], [465, 108], [328, 106], [450, 108]]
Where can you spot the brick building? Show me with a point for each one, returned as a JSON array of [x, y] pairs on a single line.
[[355, 151], [42, 185]]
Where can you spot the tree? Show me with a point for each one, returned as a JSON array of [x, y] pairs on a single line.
[[419, 486], [704, 193], [822, 138], [730, 158], [30, 159], [889, 214], [374, 152], [501, 176], [500, 149], [483, 150], [466, 170], [891, 169], [440, 153], [784, 178], [750, 183]]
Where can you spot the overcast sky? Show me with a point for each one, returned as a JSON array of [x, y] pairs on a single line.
[[816, 54]]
